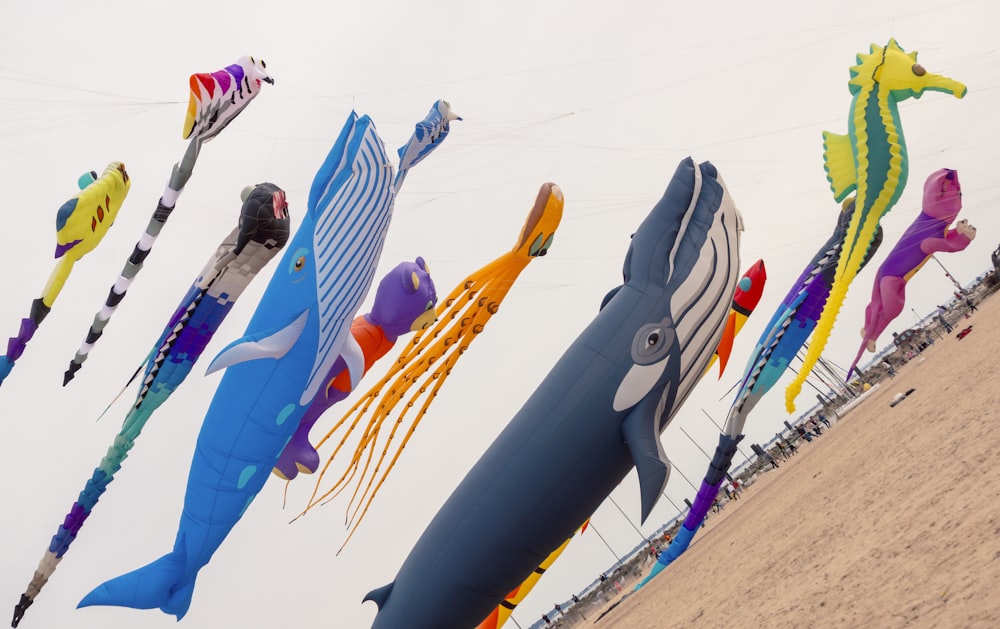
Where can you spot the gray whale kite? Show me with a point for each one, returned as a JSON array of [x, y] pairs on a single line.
[[597, 414]]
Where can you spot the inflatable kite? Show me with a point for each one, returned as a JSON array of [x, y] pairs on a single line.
[[261, 233], [461, 318], [301, 328], [215, 99], [391, 316], [404, 303], [596, 415], [929, 233], [81, 224], [786, 333], [499, 616], [748, 292], [747, 296], [870, 161]]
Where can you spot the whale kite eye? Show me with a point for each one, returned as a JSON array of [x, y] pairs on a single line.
[[298, 261], [652, 342], [919, 69]]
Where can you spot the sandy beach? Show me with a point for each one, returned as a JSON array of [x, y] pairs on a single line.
[[890, 519]]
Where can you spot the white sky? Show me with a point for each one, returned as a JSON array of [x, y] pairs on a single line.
[[603, 102]]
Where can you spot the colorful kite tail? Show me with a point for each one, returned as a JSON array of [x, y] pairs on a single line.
[[703, 501], [117, 292], [17, 344], [820, 336], [96, 485], [179, 176]]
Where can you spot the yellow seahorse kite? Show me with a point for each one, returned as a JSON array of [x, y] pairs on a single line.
[[871, 161], [462, 316]]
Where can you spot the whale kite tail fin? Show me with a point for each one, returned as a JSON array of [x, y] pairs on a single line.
[[381, 595], [157, 584]]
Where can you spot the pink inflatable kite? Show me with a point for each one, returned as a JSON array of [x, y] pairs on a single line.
[[929, 233]]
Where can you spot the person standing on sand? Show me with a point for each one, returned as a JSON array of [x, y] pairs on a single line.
[[770, 459], [803, 433], [785, 444], [814, 426], [888, 368], [944, 322]]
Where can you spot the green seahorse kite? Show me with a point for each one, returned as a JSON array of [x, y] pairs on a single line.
[[870, 161]]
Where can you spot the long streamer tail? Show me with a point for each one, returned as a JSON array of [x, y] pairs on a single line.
[[703, 501], [17, 344], [95, 486], [178, 179], [820, 336]]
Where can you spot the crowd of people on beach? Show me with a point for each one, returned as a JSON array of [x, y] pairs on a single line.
[[810, 428]]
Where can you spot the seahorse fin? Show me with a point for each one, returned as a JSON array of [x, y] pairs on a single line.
[[838, 160]]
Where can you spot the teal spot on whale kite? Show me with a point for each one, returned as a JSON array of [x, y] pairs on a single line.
[[245, 476], [283, 414]]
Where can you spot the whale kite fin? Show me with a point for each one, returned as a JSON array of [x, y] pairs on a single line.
[[380, 595], [607, 298], [180, 601], [273, 343], [154, 585], [643, 439], [838, 159]]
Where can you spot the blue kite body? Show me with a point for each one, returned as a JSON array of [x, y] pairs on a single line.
[[598, 414], [262, 231], [299, 330]]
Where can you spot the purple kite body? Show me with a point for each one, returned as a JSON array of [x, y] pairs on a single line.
[[930, 232]]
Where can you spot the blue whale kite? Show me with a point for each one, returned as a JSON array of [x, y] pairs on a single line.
[[597, 414], [301, 328]]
